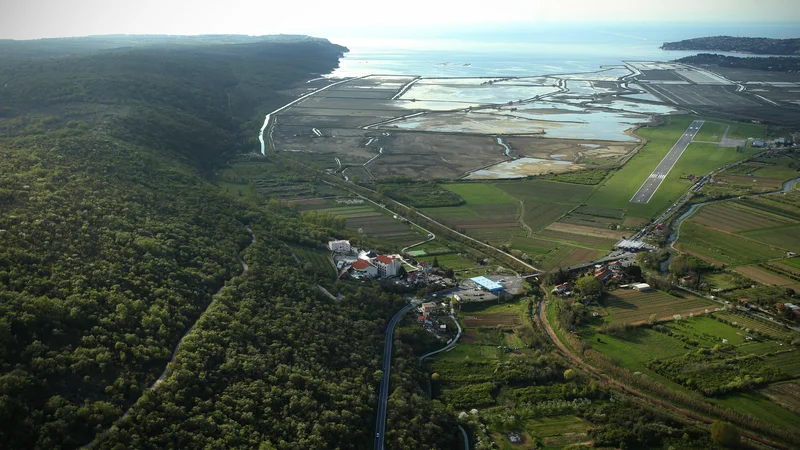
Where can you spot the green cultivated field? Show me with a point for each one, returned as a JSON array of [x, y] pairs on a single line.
[[318, 258], [480, 193], [725, 248], [634, 307], [771, 329], [636, 347], [787, 238], [450, 261], [758, 406]]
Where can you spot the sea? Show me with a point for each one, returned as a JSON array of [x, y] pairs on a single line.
[[517, 50]]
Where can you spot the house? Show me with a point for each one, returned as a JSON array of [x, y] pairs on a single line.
[[339, 246], [615, 265], [442, 328], [428, 308], [387, 266], [562, 288], [642, 287], [364, 268], [687, 280], [603, 274], [758, 143]]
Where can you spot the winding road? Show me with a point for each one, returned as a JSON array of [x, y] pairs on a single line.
[[383, 395], [165, 373], [448, 346]]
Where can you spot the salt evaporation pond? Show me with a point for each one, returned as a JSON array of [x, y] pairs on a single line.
[[486, 94]]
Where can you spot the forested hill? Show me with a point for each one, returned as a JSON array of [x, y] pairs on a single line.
[[770, 64], [759, 46], [196, 100], [113, 244]]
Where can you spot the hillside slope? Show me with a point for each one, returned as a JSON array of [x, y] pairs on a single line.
[[112, 244]]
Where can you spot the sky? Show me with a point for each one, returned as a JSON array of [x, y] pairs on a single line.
[[31, 19]]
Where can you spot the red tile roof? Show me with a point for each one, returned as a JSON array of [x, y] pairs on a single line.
[[361, 264], [384, 259]]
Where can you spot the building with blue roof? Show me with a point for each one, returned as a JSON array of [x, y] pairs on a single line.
[[489, 285]]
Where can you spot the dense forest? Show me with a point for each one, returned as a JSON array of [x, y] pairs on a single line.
[[113, 244], [771, 64], [759, 46]]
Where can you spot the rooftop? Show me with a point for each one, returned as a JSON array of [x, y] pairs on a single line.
[[487, 284], [361, 264]]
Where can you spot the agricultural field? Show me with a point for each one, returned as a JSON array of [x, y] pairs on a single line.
[[518, 213], [559, 431], [634, 307], [785, 394], [735, 216], [767, 277], [708, 332], [751, 322], [743, 232], [318, 259], [377, 225], [760, 406], [636, 347], [451, 260], [721, 248]]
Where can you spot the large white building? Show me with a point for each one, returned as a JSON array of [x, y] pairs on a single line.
[[342, 246], [387, 266]]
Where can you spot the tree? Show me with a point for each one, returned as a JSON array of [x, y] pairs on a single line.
[[725, 434], [435, 376], [570, 374], [588, 285], [435, 262]]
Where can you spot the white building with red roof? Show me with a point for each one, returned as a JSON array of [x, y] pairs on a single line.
[[365, 268], [387, 266]]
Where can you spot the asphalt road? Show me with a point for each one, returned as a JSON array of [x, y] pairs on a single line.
[[383, 396], [650, 186]]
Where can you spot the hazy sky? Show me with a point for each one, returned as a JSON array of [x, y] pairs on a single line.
[[26, 19]]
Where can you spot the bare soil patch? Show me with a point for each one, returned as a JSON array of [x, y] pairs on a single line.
[[584, 230]]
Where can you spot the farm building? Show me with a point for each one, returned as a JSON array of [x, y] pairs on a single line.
[[339, 246], [640, 287], [487, 284]]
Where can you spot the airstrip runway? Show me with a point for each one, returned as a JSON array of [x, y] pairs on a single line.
[[650, 186]]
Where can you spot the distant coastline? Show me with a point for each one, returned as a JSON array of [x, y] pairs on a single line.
[[755, 46]]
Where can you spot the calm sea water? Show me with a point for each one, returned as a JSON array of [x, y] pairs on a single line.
[[521, 50]]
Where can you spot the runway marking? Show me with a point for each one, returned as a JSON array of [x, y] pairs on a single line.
[[653, 182]]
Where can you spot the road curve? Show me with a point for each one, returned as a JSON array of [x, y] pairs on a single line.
[[164, 374], [447, 347], [383, 395]]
